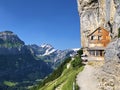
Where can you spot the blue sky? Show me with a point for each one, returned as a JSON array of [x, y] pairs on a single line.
[[42, 21]]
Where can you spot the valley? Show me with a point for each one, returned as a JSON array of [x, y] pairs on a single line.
[[22, 66], [64, 77]]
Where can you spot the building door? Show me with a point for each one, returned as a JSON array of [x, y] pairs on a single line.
[[101, 53]]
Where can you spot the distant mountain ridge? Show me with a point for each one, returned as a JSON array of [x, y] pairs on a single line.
[[9, 40], [50, 55]]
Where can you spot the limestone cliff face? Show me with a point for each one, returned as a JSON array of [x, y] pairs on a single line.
[[98, 13], [109, 75], [106, 14]]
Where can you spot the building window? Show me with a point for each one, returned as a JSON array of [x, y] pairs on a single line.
[[92, 37], [92, 53], [97, 53], [99, 37], [101, 53]]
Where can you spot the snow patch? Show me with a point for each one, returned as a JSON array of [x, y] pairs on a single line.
[[76, 49], [46, 45], [48, 52]]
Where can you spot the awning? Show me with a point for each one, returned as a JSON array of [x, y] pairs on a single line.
[[96, 48]]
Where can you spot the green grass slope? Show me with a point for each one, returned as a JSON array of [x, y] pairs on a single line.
[[64, 77]]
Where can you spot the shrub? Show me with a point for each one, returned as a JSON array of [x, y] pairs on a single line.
[[76, 87], [119, 33], [77, 62], [80, 52]]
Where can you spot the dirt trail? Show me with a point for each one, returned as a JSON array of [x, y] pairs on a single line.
[[86, 80]]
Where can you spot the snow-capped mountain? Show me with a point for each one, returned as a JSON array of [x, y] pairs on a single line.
[[50, 55], [48, 49], [42, 50]]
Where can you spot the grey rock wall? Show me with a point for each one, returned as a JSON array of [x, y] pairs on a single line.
[[109, 75], [98, 13], [106, 14], [112, 57], [112, 52]]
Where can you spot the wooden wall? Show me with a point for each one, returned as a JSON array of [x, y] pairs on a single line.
[[101, 38]]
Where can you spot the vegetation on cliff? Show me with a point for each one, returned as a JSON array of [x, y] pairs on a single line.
[[118, 32]]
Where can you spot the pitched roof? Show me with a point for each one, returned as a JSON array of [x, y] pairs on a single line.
[[96, 30]]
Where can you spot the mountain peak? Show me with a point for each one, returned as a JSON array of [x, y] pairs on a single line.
[[76, 49], [8, 38], [48, 48], [45, 45], [6, 31]]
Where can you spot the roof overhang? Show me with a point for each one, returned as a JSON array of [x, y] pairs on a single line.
[[96, 48]]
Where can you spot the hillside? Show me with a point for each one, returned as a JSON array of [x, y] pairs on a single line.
[[18, 67], [64, 77], [23, 65]]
